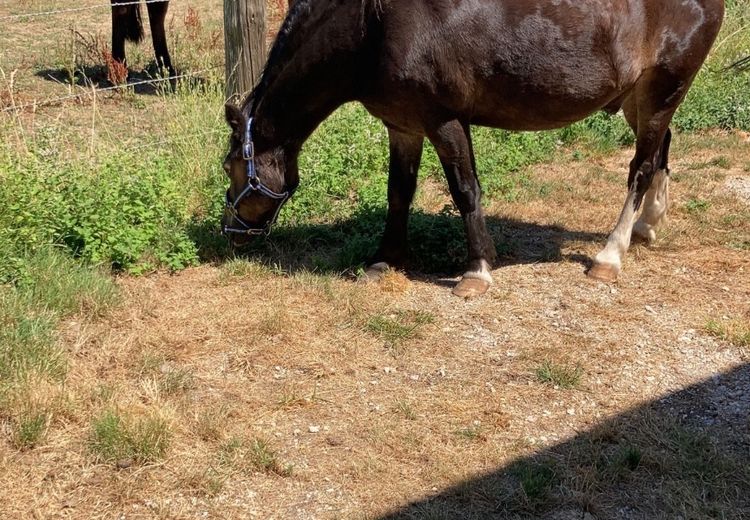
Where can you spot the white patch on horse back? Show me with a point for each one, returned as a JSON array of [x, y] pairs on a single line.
[[482, 274], [682, 42]]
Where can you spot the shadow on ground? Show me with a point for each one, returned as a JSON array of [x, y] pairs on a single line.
[[685, 456], [437, 243], [97, 77]]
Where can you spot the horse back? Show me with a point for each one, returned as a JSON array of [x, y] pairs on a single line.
[[533, 64]]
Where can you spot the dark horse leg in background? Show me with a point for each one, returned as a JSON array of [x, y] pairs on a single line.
[[453, 144], [157, 12], [406, 154], [128, 24]]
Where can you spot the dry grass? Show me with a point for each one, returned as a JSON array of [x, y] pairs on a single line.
[[242, 391], [333, 399]]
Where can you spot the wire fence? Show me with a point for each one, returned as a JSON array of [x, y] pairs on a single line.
[[88, 90], [25, 16]]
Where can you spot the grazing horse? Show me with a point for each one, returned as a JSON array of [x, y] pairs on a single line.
[[431, 68], [127, 24]]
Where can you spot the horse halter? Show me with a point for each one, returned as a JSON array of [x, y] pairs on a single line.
[[254, 185]]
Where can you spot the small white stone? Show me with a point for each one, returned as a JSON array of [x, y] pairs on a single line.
[[571, 411], [314, 429]]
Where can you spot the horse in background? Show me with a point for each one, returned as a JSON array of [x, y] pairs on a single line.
[[127, 24]]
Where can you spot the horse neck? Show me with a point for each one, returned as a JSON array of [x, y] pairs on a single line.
[[312, 70]]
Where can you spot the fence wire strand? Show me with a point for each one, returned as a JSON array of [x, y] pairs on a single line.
[[78, 9]]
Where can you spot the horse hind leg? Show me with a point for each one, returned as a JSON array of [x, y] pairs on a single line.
[[656, 98], [656, 201], [126, 24], [157, 13]]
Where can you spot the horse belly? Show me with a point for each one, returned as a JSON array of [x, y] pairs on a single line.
[[529, 107], [526, 65], [544, 72]]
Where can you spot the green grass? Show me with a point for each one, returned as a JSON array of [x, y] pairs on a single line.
[[53, 286], [470, 433], [264, 459], [256, 455], [697, 207], [562, 376], [398, 327], [535, 480], [736, 332], [29, 430], [116, 438], [27, 340], [178, 381]]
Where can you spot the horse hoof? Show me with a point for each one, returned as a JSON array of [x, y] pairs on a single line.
[[375, 272], [471, 287], [604, 272], [644, 234]]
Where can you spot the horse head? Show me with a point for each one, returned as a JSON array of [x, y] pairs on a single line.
[[262, 178]]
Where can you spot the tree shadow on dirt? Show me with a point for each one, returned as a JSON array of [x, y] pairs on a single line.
[[437, 243], [686, 455]]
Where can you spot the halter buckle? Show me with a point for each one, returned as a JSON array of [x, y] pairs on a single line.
[[248, 150]]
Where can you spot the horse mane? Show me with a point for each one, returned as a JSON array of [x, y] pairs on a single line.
[[296, 14]]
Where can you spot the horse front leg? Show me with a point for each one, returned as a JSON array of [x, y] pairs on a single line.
[[405, 157], [452, 141]]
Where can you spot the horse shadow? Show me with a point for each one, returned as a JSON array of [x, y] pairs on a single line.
[[685, 455], [148, 81], [437, 244]]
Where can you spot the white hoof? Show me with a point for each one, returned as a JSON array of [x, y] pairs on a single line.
[[644, 232], [375, 272]]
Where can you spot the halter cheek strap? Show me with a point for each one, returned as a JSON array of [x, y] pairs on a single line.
[[254, 185]]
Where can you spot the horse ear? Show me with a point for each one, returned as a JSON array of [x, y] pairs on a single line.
[[235, 119]]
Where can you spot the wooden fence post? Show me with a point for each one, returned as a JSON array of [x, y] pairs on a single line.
[[244, 45]]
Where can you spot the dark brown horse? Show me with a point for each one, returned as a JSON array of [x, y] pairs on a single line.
[[128, 24], [432, 68]]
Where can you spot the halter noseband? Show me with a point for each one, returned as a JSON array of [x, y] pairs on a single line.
[[254, 185]]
